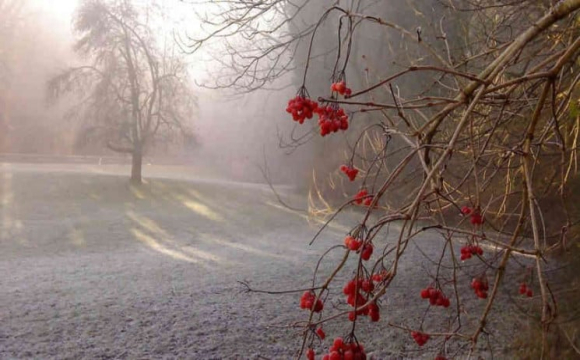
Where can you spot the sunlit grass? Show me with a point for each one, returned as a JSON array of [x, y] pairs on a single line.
[[148, 225], [76, 237], [311, 220], [10, 228], [150, 233], [157, 246], [137, 192], [243, 247], [200, 209]]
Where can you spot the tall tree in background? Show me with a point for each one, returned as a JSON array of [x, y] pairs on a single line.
[[133, 91]]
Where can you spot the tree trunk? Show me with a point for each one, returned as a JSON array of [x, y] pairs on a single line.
[[136, 165]]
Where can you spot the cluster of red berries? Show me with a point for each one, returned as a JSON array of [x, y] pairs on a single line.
[[480, 287], [355, 245], [340, 87], [476, 217], [345, 351], [331, 119], [307, 301], [354, 298], [435, 296], [361, 196], [349, 171], [301, 108], [525, 290], [419, 337], [468, 250]]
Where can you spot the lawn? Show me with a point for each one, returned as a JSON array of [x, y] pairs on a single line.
[[93, 268]]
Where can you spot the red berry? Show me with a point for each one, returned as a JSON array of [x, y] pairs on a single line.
[[367, 251], [373, 307], [319, 306], [368, 286], [466, 210], [425, 293], [354, 245], [359, 197], [321, 334], [338, 87], [446, 302], [310, 354], [530, 293], [476, 219], [338, 343], [335, 355], [480, 288], [352, 316], [350, 299], [420, 338], [433, 293], [307, 300], [347, 240], [352, 173], [383, 275], [433, 300], [349, 288]]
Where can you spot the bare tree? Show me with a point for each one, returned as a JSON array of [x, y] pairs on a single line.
[[132, 89]]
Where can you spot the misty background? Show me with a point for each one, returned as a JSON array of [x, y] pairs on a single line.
[[232, 131], [238, 129]]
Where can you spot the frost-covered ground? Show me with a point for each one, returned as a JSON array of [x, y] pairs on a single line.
[[92, 268]]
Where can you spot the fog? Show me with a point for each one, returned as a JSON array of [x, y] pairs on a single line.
[[235, 133], [204, 95]]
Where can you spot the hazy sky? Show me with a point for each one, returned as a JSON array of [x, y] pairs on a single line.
[[60, 8], [60, 12]]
